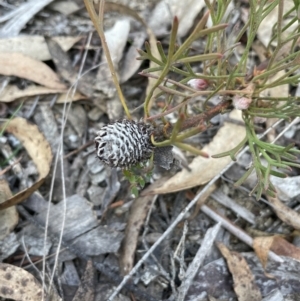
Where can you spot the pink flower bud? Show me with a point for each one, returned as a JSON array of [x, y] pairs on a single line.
[[198, 83], [241, 103]]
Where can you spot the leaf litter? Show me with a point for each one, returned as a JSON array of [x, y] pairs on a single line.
[[20, 65], [87, 184]]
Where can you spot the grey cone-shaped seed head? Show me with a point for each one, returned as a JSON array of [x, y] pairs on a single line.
[[124, 143]]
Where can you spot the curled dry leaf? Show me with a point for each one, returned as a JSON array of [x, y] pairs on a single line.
[[9, 217], [204, 169], [244, 285], [282, 247], [18, 64], [285, 213], [18, 284], [38, 149], [68, 97], [262, 245]]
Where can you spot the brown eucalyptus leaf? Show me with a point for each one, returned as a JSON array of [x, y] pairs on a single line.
[[244, 285], [12, 92], [262, 246], [285, 213], [282, 247], [18, 64], [138, 213]]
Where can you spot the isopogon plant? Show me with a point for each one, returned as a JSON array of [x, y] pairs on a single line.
[[128, 144]]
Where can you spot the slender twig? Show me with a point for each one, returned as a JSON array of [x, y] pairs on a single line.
[[59, 156], [98, 23], [79, 149]]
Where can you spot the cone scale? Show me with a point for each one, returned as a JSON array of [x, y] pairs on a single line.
[[124, 143]]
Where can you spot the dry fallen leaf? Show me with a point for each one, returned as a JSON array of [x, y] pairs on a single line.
[[244, 285], [130, 64], [138, 212], [9, 217], [38, 149], [282, 247], [18, 64], [12, 92], [204, 169], [18, 284], [214, 279], [262, 245], [285, 213], [68, 97], [35, 46]]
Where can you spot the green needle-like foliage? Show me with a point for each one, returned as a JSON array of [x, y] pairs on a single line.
[[232, 82], [237, 86]]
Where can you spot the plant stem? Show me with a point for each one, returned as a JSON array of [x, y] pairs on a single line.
[[98, 23]]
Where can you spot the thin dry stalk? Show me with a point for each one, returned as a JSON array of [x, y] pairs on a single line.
[[60, 156]]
